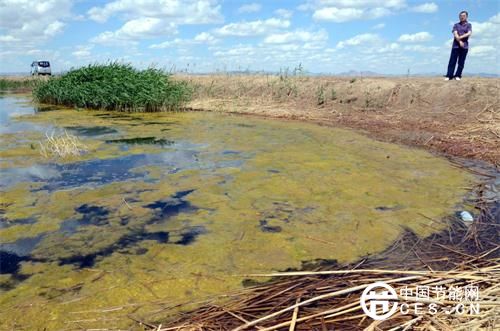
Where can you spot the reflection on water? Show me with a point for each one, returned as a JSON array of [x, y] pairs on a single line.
[[173, 208], [10, 108], [100, 172]]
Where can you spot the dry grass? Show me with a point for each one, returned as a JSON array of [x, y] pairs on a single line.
[[62, 146]]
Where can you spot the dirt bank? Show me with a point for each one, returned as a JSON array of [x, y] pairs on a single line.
[[458, 118]]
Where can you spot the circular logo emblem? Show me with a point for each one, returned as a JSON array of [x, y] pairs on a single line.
[[377, 301]]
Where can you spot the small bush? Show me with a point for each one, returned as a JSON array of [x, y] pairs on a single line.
[[284, 87], [333, 95], [114, 86], [320, 96]]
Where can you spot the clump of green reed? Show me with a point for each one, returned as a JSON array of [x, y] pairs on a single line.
[[13, 84], [115, 86]]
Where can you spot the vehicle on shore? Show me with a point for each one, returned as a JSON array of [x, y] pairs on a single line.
[[40, 68]]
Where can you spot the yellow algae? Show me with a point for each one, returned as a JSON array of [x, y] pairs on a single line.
[[183, 222]]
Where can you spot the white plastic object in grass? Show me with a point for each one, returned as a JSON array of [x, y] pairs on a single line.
[[466, 216]]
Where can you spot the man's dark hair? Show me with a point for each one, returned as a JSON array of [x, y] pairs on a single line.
[[464, 12]]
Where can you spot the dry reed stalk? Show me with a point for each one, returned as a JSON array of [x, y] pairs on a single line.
[[62, 146]]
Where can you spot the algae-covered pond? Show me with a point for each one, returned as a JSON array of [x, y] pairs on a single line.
[[172, 208]]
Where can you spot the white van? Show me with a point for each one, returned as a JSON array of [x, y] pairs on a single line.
[[40, 68]]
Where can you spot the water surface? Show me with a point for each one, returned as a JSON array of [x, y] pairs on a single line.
[[173, 208]]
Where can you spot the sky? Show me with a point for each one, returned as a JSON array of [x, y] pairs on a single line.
[[323, 36]]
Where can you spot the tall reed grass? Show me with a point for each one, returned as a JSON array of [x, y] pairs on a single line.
[[115, 86]]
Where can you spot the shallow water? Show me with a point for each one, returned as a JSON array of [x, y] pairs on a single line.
[[173, 208]]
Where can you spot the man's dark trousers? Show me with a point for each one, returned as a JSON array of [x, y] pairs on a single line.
[[456, 54]]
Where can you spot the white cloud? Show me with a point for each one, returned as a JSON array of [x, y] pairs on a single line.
[[176, 11], [337, 15], [205, 37], [238, 50], [297, 36], [484, 38], [152, 18], [483, 50], [416, 37], [134, 30], [348, 10], [428, 8], [8, 38], [378, 26], [83, 51], [250, 8], [495, 19], [25, 23], [361, 39], [201, 38], [389, 48], [363, 4], [54, 28], [487, 32], [284, 13], [377, 13], [171, 43], [253, 28], [422, 48]]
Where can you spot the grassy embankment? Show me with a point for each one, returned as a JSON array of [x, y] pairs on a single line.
[[114, 86]]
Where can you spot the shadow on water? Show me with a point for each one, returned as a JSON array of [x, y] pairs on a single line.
[[188, 236], [263, 224], [104, 171], [6, 223], [91, 215], [127, 244], [123, 245], [91, 131], [23, 246], [172, 206], [12, 254], [11, 257], [142, 141], [113, 115], [97, 171]]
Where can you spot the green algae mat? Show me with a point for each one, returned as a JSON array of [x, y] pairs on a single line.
[[174, 208]]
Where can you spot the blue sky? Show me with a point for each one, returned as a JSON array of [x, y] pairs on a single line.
[[328, 36]]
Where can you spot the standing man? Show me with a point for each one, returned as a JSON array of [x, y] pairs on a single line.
[[461, 33]]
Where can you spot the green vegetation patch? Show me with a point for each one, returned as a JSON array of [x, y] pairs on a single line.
[[115, 86], [14, 84]]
